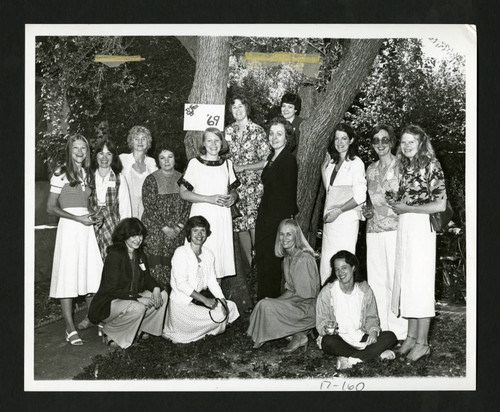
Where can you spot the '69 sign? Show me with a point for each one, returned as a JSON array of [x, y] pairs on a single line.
[[200, 116]]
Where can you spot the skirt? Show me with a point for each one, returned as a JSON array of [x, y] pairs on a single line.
[[77, 264], [415, 272]]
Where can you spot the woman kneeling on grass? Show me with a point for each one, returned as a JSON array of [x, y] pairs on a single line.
[[129, 300], [347, 318]]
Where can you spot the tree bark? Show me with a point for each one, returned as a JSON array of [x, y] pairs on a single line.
[[315, 131]]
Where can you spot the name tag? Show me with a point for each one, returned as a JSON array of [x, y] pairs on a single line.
[[111, 184]]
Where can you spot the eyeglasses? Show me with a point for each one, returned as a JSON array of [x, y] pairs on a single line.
[[384, 141]]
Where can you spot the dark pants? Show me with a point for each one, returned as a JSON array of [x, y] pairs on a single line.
[[335, 345], [268, 265]]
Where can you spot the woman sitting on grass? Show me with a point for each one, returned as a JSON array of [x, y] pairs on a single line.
[[293, 313], [347, 318], [129, 300], [194, 313]]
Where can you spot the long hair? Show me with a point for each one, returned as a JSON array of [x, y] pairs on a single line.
[[136, 130], [300, 240], [350, 259], [224, 146], [116, 164], [69, 168], [292, 98], [196, 221], [288, 129], [425, 152], [128, 227], [353, 147]]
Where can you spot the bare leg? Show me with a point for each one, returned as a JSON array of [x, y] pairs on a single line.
[[246, 244], [422, 346], [411, 338], [86, 323], [67, 312]]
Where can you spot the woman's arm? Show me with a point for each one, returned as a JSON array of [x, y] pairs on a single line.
[[324, 310], [324, 165], [429, 208], [251, 166], [124, 205], [53, 208], [193, 197]]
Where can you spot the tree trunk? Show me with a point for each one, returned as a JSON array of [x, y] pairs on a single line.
[[315, 131], [209, 87]]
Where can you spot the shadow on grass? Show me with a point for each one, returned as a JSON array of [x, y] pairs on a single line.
[[230, 355]]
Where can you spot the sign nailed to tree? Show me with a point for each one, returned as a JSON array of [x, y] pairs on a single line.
[[198, 117]]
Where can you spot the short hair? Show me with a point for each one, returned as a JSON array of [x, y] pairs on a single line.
[[351, 259], [243, 99], [224, 146], [165, 147], [196, 221], [300, 240], [116, 164], [352, 151], [292, 98], [382, 126], [136, 130], [69, 168], [280, 120], [128, 227], [425, 151]]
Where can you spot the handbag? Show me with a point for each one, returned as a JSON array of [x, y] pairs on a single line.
[[235, 212], [208, 294], [440, 220]]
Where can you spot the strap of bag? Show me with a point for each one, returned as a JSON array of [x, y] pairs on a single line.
[[225, 309]]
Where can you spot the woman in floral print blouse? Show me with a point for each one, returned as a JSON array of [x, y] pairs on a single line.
[[422, 192], [248, 149]]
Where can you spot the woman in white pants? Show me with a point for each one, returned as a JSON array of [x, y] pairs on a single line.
[[381, 229]]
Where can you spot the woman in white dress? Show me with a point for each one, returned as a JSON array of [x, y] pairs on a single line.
[[209, 183], [343, 175], [137, 166], [422, 192], [193, 273], [77, 265]]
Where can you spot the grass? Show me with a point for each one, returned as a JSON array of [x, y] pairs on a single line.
[[230, 355]]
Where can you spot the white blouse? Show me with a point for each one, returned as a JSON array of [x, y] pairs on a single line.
[[101, 187]]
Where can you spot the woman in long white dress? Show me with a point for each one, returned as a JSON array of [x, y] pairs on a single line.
[[193, 272], [77, 265], [209, 183], [343, 175], [137, 166]]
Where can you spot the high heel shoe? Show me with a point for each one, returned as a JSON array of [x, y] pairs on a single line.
[[407, 347], [297, 343], [73, 338], [84, 324], [424, 354]]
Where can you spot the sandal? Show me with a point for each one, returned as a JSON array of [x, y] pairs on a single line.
[[84, 324], [425, 353], [406, 347], [111, 343], [73, 338]]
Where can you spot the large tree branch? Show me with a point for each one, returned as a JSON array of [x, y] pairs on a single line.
[[315, 131], [191, 45]]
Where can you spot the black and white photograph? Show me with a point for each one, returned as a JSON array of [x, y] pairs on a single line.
[[264, 207]]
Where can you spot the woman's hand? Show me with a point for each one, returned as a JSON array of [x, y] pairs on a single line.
[[210, 303], [332, 215], [220, 200], [372, 338], [85, 220], [156, 300], [169, 232], [231, 198], [238, 168], [400, 208]]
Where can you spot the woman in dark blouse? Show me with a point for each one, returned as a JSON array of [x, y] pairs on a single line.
[[129, 300], [278, 202]]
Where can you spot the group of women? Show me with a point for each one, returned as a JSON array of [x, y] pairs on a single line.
[[243, 169]]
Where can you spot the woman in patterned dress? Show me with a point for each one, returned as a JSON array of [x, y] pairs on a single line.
[[422, 192], [110, 196], [137, 166], [248, 149], [209, 183], [165, 214], [382, 178], [193, 271], [77, 265]]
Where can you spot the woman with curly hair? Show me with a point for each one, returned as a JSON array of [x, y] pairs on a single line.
[[137, 166]]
